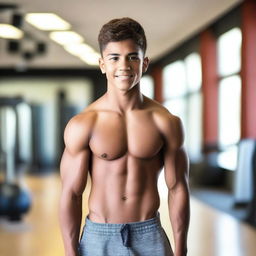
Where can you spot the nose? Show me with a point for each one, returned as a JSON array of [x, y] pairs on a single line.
[[124, 65]]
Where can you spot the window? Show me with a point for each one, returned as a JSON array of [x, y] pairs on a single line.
[[229, 56], [147, 86], [182, 96], [194, 72], [174, 80], [229, 111], [229, 65]]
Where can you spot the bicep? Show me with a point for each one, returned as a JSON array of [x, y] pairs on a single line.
[[175, 156], [182, 162], [176, 168], [74, 170], [76, 156]]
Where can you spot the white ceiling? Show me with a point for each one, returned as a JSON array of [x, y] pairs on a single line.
[[166, 23]]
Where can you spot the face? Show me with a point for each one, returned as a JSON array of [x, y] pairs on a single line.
[[123, 63]]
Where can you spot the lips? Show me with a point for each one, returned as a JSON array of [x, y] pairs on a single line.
[[124, 76]]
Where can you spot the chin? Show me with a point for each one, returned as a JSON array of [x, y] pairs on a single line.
[[124, 88]]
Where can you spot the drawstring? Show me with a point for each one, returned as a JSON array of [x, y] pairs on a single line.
[[125, 234]]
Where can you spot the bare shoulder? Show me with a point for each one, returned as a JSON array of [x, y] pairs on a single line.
[[78, 130], [85, 119], [169, 125]]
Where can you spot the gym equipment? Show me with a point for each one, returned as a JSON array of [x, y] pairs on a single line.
[[14, 200]]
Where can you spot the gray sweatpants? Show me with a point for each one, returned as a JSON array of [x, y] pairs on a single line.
[[145, 238]]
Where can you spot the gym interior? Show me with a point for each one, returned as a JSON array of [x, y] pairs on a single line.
[[205, 75]]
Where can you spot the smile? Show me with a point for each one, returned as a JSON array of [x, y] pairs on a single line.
[[124, 76]]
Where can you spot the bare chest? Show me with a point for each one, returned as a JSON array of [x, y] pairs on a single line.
[[114, 135]]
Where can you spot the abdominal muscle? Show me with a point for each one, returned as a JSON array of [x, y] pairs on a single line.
[[122, 192]]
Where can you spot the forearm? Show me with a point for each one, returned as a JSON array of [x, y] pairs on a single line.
[[70, 221], [179, 209]]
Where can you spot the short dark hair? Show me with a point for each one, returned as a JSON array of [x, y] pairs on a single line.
[[121, 29]]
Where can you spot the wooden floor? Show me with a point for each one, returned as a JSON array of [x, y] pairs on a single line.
[[212, 233]]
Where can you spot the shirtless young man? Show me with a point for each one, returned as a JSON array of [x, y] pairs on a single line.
[[123, 140]]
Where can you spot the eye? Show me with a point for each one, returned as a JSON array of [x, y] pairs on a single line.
[[115, 58], [133, 58]]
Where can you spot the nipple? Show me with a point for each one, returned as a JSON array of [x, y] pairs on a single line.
[[104, 155]]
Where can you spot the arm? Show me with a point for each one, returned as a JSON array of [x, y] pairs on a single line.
[[74, 169], [176, 176]]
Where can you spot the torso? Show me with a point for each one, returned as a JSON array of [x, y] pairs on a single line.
[[126, 160]]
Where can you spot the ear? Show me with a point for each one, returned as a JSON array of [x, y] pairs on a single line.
[[145, 64], [102, 65]]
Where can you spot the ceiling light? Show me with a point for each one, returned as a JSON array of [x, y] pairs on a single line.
[[10, 32], [91, 58], [78, 49], [47, 21], [66, 37]]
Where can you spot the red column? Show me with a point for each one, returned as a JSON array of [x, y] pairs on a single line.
[[156, 74], [248, 69], [209, 88]]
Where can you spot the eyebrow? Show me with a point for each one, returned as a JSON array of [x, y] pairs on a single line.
[[117, 54]]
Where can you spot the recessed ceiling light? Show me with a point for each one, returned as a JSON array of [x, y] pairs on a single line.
[[78, 49], [91, 58], [66, 37], [10, 32], [47, 21]]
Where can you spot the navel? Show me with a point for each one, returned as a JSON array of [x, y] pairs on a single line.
[[124, 198]]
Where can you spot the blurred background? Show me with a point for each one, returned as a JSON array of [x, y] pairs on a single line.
[[203, 59]]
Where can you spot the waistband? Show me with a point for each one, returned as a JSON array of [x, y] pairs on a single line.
[[136, 227]]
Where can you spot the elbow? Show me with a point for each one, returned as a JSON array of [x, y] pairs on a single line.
[[181, 185], [69, 196]]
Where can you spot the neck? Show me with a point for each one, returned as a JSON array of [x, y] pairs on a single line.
[[123, 101]]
